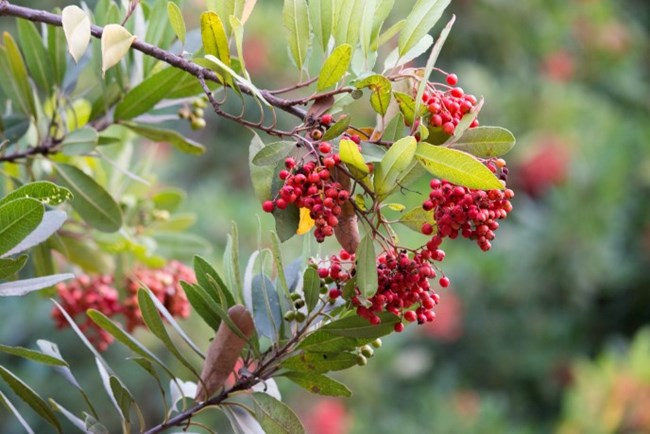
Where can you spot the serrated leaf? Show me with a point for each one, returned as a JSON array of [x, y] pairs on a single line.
[[51, 222], [366, 267], [295, 17], [91, 200], [10, 266], [76, 26], [357, 327], [273, 152], [35, 356], [311, 288], [457, 167], [36, 55], [350, 155], [15, 80], [274, 416], [423, 17], [319, 384], [18, 219], [321, 14], [396, 160], [337, 129], [81, 141], [172, 137], [381, 92], [22, 287], [415, 218], [30, 397], [176, 20], [334, 67], [320, 362], [150, 92], [485, 142], [213, 34], [116, 42]]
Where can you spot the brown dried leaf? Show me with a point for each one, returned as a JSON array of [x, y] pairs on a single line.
[[347, 231]]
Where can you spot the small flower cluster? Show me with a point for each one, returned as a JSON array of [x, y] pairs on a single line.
[[467, 212], [310, 185], [447, 107], [100, 293]]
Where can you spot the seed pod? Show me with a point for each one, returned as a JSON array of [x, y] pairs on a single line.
[[224, 352], [347, 231]]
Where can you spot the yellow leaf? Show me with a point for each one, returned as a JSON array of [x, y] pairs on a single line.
[[76, 26], [116, 41], [306, 222]]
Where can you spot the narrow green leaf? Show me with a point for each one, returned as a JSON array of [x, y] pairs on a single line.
[[485, 142], [381, 14], [56, 50], [74, 420], [172, 137], [261, 176], [319, 384], [231, 263], [407, 107], [225, 9], [274, 416], [415, 218], [381, 91], [335, 67], [12, 127], [238, 33], [320, 362], [338, 128], [10, 266], [388, 34], [348, 22], [208, 278], [266, 307], [200, 301], [311, 288], [176, 20], [50, 224], [273, 152], [32, 399], [36, 56], [357, 327], [395, 161], [81, 141], [393, 60], [423, 17], [464, 123], [295, 17], [366, 267], [350, 155], [125, 400], [5, 401], [213, 34], [18, 219], [91, 201], [35, 356], [159, 32], [321, 14], [147, 94], [15, 82], [321, 341], [457, 167], [366, 25]]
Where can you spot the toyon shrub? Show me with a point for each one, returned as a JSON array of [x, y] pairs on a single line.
[[99, 229]]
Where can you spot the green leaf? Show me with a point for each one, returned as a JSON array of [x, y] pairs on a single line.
[[9, 266], [36, 56], [213, 34], [200, 301], [81, 141], [181, 245], [18, 219], [15, 80], [169, 199], [335, 67], [321, 14], [22, 287], [396, 160], [393, 60], [295, 17], [423, 17], [319, 384], [415, 218], [56, 49], [238, 33], [226, 8], [91, 201], [35, 356], [159, 32], [381, 14], [273, 152], [266, 307], [311, 288], [366, 267], [338, 128], [464, 123], [320, 362], [124, 400], [350, 155], [367, 24], [357, 327], [150, 92], [274, 416], [261, 176], [86, 254], [286, 221], [176, 20], [32, 399], [348, 21], [407, 107], [74, 420], [485, 142], [172, 137], [207, 276], [321, 341], [231, 266], [457, 167], [13, 127], [51, 222], [381, 92], [388, 34]]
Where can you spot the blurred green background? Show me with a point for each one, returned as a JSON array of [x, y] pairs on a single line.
[[538, 335]]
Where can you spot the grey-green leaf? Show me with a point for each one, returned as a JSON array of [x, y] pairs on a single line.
[[272, 153], [295, 17], [319, 384], [485, 142], [176, 20], [36, 56], [366, 267], [274, 416], [22, 287], [10, 266], [175, 139], [321, 14], [35, 356], [357, 327], [80, 142], [423, 17], [150, 92], [52, 222], [311, 288], [91, 200]]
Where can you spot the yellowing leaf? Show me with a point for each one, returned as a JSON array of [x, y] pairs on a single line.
[[116, 41], [76, 26], [351, 156], [176, 20], [306, 222]]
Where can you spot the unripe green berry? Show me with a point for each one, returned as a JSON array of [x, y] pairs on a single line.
[[295, 296], [367, 351], [199, 112], [323, 290], [197, 123], [199, 103], [376, 343], [299, 303], [361, 360], [300, 317], [290, 316]]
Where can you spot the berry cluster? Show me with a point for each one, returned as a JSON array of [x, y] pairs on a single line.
[[470, 213], [310, 185], [448, 106], [100, 293], [83, 293]]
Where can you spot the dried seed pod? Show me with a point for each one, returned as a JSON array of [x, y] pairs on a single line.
[[347, 231], [224, 352]]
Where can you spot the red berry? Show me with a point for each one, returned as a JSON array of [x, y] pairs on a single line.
[[323, 273], [448, 128], [281, 203], [268, 206], [325, 148], [444, 281], [399, 327], [457, 92], [427, 229], [326, 119], [289, 163], [410, 316], [452, 79]]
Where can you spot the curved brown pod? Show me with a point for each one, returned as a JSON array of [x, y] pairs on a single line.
[[224, 352], [347, 231]]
